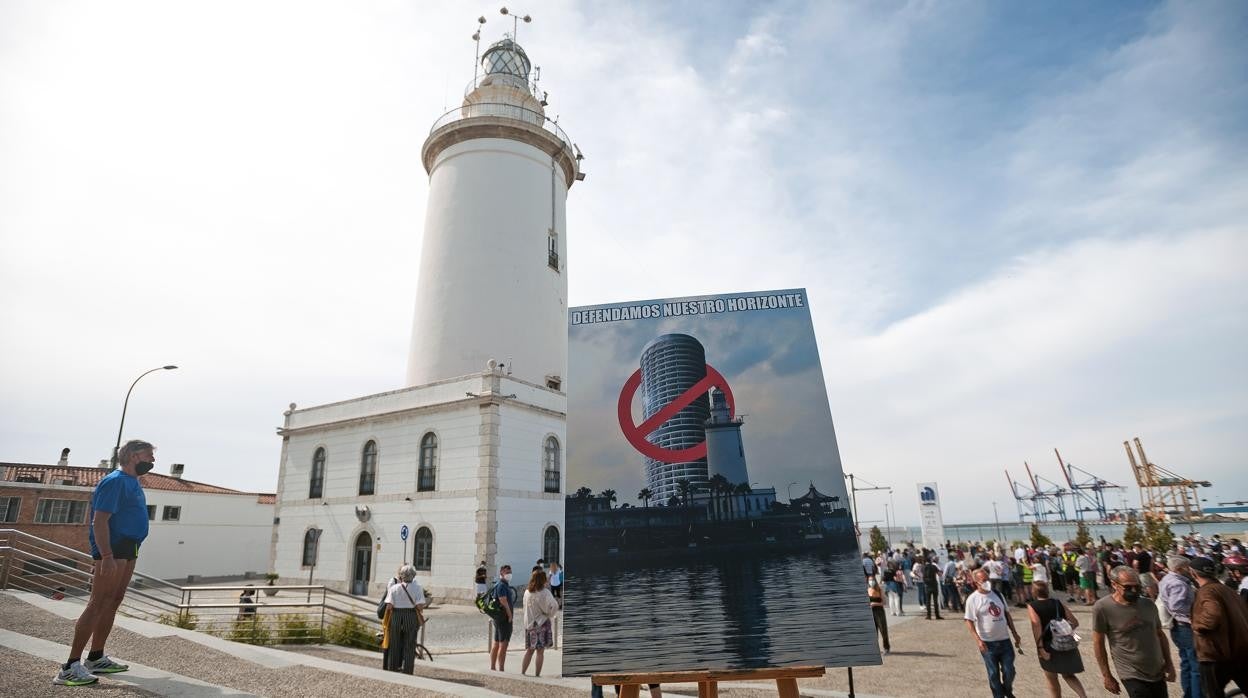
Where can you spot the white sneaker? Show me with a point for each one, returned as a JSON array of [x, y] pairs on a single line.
[[104, 665], [75, 675]]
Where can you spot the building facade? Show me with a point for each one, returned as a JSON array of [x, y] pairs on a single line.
[[468, 459], [196, 529], [472, 466]]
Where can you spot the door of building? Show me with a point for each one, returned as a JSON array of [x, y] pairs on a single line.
[[362, 565]]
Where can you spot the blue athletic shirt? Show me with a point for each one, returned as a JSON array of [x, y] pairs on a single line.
[[122, 497]]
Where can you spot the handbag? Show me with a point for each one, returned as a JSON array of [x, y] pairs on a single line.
[[1062, 636]]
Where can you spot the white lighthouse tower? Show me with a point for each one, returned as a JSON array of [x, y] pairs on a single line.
[[464, 465], [493, 273]]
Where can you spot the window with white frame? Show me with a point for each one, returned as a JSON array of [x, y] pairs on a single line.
[[422, 554], [427, 473], [310, 538], [368, 468], [550, 465], [9, 507], [73, 511], [316, 484], [171, 513]]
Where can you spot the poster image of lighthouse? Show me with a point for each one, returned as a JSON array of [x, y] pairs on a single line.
[[708, 521]]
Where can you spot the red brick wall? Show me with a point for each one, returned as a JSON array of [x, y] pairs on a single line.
[[70, 535]]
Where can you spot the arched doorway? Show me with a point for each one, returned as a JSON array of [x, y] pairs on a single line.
[[550, 545], [362, 564]]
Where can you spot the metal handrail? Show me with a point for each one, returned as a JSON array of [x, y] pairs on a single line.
[[36, 542], [169, 603], [514, 112]]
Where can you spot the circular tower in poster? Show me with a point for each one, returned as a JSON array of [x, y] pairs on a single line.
[[671, 364]]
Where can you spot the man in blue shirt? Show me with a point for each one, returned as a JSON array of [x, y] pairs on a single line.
[[117, 527], [503, 623]]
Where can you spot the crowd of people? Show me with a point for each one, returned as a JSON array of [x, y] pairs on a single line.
[[1194, 595]]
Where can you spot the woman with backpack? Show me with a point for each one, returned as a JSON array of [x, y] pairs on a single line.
[[1057, 646]]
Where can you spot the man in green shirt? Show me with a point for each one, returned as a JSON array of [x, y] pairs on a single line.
[[1133, 631]]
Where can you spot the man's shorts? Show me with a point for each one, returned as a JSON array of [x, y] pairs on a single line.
[[1087, 580], [123, 549], [502, 630]]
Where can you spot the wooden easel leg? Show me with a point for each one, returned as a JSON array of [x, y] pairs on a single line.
[[708, 689], [630, 690], [850, 669], [787, 688]]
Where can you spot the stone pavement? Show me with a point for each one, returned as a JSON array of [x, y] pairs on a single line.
[[929, 658], [167, 661]]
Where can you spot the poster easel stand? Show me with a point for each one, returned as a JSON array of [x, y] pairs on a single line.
[[708, 680]]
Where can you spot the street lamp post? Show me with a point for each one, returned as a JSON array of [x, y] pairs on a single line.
[[888, 527], [998, 520], [893, 506], [126, 404]]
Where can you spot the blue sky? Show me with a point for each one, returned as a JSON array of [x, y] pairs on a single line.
[[1021, 226]]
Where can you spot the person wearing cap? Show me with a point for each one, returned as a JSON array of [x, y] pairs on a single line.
[[1175, 596], [1220, 624]]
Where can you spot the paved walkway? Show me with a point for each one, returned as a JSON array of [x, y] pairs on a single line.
[[930, 658]]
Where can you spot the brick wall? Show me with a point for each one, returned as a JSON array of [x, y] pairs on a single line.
[[70, 535]]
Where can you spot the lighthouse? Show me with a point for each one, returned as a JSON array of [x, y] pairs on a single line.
[[464, 463], [493, 280]]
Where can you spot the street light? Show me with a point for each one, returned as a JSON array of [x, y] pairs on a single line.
[[888, 527], [117, 446], [998, 520]]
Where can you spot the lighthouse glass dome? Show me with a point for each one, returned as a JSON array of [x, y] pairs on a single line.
[[507, 58]]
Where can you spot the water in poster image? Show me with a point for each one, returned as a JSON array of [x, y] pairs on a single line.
[[759, 611]]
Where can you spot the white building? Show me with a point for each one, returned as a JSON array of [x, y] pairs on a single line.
[[469, 456], [195, 529]]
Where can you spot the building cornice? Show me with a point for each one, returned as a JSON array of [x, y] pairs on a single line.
[[484, 399], [500, 127]]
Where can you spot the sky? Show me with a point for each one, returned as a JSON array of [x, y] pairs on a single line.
[[770, 361], [1021, 227]]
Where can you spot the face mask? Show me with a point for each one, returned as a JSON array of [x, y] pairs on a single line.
[[1131, 595], [872, 584], [507, 578], [144, 467], [985, 586]]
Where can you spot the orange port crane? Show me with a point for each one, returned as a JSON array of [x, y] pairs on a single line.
[[1164, 494]]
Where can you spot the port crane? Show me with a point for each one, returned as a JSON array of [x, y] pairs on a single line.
[[1087, 491], [1163, 493]]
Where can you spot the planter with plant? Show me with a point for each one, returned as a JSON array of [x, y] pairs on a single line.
[[272, 577]]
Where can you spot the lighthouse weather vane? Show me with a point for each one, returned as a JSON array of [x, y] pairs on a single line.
[[515, 21]]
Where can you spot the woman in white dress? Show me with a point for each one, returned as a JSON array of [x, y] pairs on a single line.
[[540, 609]]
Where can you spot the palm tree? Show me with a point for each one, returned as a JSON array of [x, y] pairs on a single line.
[[644, 495], [683, 488], [742, 488], [583, 493], [719, 485], [608, 495]]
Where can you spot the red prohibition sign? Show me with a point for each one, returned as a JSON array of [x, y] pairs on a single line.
[[636, 433]]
